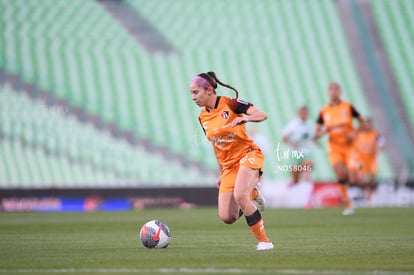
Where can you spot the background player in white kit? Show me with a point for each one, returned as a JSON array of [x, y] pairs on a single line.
[[298, 136]]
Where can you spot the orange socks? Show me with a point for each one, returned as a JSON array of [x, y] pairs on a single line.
[[256, 225], [343, 190], [254, 194], [255, 221], [259, 231]]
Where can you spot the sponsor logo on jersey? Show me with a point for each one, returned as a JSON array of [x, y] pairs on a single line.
[[225, 114]]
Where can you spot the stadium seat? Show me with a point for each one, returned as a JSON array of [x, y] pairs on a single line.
[[285, 56], [43, 146], [394, 19]]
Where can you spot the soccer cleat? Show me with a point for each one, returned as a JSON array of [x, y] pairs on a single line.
[[264, 246], [348, 211], [260, 202]]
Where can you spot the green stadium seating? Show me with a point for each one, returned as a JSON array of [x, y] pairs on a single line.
[[283, 56], [46, 147], [279, 54], [395, 21]]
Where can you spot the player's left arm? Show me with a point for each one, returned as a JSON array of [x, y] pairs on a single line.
[[251, 113], [357, 115], [255, 115], [320, 128]]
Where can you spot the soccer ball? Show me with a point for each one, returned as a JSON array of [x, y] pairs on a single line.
[[155, 234]]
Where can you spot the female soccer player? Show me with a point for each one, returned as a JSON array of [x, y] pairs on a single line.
[[367, 143], [298, 136], [240, 160], [336, 119]]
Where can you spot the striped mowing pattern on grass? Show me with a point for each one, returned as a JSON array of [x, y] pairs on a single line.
[[203, 271], [319, 241]]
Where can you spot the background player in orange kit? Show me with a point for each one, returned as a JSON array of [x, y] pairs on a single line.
[[367, 142], [240, 159], [336, 120]]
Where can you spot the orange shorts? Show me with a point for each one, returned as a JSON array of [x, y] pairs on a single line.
[[354, 161], [369, 164], [253, 159], [339, 153]]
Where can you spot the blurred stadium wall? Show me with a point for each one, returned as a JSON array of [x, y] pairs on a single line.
[[94, 94]]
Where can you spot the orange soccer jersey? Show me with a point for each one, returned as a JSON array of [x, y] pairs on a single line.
[[338, 120], [232, 146], [365, 147]]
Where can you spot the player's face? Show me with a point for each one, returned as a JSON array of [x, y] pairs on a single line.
[[334, 92], [367, 124], [303, 113], [200, 95]]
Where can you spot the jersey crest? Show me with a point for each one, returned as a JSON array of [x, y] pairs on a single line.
[[225, 115]]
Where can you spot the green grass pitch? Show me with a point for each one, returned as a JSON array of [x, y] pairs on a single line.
[[315, 241]]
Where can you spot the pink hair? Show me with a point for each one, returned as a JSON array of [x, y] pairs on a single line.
[[200, 81]]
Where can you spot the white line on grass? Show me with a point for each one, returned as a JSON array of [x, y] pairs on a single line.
[[204, 270]]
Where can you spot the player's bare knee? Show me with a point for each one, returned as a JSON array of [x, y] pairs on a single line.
[[241, 199], [228, 219]]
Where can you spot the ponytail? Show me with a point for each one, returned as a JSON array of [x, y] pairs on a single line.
[[213, 80]]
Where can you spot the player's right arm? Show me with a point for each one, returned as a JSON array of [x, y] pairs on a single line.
[[320, 128], [218, 180]]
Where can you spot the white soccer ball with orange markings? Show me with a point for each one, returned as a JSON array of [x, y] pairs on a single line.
[[155, 234]]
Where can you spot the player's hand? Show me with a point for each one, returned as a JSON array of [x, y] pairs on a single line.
[[317, 143], [218, 182], [319, 134], [239, 120]]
